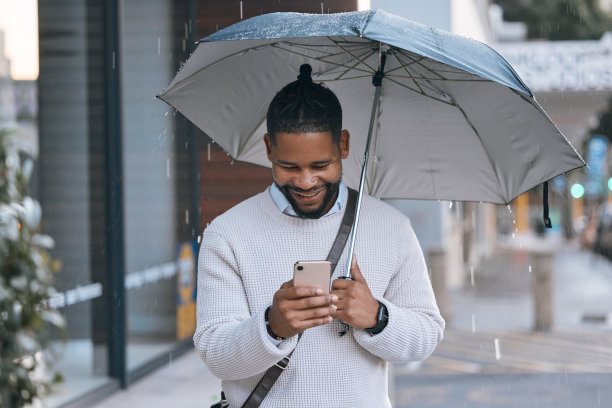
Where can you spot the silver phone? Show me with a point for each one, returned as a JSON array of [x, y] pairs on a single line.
[[312, 274]]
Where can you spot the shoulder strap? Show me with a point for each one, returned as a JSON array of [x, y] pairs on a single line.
[[344, 230], [267, 381]]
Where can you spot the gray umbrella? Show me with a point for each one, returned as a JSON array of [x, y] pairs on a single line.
[[439, 116]]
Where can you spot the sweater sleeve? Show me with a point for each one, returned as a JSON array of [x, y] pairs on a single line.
[[231, 342], [415, 325]]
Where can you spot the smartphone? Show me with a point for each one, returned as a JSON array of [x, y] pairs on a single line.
[[313, 274]]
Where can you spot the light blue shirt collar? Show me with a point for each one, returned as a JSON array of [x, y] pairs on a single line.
[[285, 207]]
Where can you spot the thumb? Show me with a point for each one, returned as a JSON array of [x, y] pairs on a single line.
[[355, 271]]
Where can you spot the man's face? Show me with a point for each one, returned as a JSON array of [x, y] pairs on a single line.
[[307, 168]]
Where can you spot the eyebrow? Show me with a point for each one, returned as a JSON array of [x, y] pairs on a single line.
[[319, 162]]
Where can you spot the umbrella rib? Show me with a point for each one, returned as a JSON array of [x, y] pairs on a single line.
[[404, 66], [344, 79], [337, 64], [421, 92], [483, 146], [339, 77], [418, 62], [543, 113], [328, 54], [438, 79], [351, 54]]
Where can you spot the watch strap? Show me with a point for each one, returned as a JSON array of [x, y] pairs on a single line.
[[382, 318]]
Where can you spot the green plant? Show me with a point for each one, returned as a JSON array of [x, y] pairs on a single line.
[[26, 276]]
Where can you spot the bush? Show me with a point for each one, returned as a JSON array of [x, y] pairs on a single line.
[[26, 276]]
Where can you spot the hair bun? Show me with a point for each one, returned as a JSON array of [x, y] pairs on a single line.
[[305, 71]]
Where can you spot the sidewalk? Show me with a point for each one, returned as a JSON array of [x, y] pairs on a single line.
[[499, 302], [184, 382]]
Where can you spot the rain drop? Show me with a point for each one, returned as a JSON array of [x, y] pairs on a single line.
[[158, 45], [321, 7], [598, 398], [166, 114], [529, 268], [232, 162], [208, 151], [450, 204], [513, 235], [241, 10], [473, 323], [472, 275], [168, 168], [187, 216], [497, 350]]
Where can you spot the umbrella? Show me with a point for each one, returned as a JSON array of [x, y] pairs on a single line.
[[439, 116]]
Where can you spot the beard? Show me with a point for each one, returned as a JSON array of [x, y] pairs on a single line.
[[330, 194]]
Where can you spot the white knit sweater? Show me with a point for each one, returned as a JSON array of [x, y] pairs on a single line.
[[245, 256]]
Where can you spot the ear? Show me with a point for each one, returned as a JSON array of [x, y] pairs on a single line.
[[345, 138], [268, 147]]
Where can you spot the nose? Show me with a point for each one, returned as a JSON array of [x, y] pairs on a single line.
[[305, 180]]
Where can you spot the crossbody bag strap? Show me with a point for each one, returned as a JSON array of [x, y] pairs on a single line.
[[267, 381], [343, 231]]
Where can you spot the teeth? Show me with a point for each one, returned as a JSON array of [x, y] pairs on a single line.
[[308, 195]]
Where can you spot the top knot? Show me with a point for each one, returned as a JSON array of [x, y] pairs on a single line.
[[305, 71]]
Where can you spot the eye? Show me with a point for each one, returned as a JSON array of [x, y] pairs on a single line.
[[285, 167], [320, 166]]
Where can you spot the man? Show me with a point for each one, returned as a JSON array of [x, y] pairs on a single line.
[[250, 314]]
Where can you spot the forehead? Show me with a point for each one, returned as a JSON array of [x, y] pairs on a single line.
[[312, 146]]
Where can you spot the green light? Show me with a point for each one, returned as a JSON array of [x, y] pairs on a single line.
[[610, 184], [577, 190]]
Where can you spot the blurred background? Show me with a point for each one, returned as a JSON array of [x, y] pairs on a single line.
[[127, 186]]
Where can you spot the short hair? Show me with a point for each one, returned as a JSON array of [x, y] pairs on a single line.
[[303, 107]]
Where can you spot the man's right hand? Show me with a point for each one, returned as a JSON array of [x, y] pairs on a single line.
[[295, 309]]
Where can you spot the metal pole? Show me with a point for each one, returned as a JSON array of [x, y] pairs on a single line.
[[114, 198], [377, 82], [366, 156]]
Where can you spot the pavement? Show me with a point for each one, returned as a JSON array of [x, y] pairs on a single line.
[[491, 355]]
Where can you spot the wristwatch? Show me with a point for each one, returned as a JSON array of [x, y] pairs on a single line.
[[268, 328], [382, 318]]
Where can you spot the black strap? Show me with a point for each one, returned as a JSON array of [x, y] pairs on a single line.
[[547, 222], [343, 231], [267, 381]]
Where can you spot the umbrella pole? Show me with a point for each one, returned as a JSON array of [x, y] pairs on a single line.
[[364, 167]]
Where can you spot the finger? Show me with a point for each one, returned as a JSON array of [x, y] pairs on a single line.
[[287, 285], [298, 292], [317, 313], [342, 284], [355, 271], [313, 302]]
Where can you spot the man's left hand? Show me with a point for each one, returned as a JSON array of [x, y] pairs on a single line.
[[356, 305]]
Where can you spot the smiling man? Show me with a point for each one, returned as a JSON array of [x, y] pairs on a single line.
[[249, 312]]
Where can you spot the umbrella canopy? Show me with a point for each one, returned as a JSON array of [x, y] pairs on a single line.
[[452, 120]]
